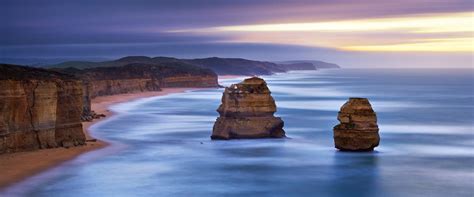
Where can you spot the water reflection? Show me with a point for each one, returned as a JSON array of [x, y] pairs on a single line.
[[360, 177]]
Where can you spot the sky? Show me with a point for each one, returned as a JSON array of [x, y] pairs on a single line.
[[357, 33]]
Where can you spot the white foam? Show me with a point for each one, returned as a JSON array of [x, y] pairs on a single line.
[[315, 91], [427, 129], [335, 105]]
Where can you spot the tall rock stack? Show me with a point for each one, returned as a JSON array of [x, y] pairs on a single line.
[[247, 112], [358, 130]]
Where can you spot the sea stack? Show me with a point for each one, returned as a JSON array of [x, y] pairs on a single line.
[[247, 112], [357, 130]]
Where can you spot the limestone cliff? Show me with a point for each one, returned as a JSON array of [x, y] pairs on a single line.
[[39, 109], [247, 112], [138, 77], [358, 130]]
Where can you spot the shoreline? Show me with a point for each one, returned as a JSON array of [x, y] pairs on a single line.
[[19, 166]]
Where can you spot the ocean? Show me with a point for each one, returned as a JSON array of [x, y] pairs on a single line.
[[162, 145]]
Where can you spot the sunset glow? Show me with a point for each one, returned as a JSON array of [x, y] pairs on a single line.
[[433, 45], [456, 22], [442, 32], [402, 33]]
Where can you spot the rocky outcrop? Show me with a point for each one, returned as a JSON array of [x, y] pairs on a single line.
[[39, 109], [358, 130], [247, 112]]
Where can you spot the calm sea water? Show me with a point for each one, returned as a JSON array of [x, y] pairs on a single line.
[[162, 145]]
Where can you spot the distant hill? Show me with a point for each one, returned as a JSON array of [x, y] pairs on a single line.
[[221, 66], [18, 72], [237, 66], [315, 63], [42, 62], [113, 63], [298, 66]]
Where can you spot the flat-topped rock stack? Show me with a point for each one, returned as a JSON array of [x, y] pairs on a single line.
[[247, 112], [358, 130]]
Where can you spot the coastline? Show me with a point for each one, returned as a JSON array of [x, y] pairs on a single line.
[[21, 165]]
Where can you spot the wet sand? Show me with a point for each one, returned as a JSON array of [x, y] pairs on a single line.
[[21, 165]]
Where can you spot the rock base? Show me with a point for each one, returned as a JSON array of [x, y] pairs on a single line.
[[240, 128], [358, 129]]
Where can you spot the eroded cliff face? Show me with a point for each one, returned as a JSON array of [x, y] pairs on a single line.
[[38, 109], [358, 129], [189, 81], [137, 77], [122, 86], [247, 112], [69, 107]]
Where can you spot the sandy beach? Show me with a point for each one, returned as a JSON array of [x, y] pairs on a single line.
[[18, 166]]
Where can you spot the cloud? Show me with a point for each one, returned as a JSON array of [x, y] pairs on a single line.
[[112, 28], [449, 32], [59, 21]]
